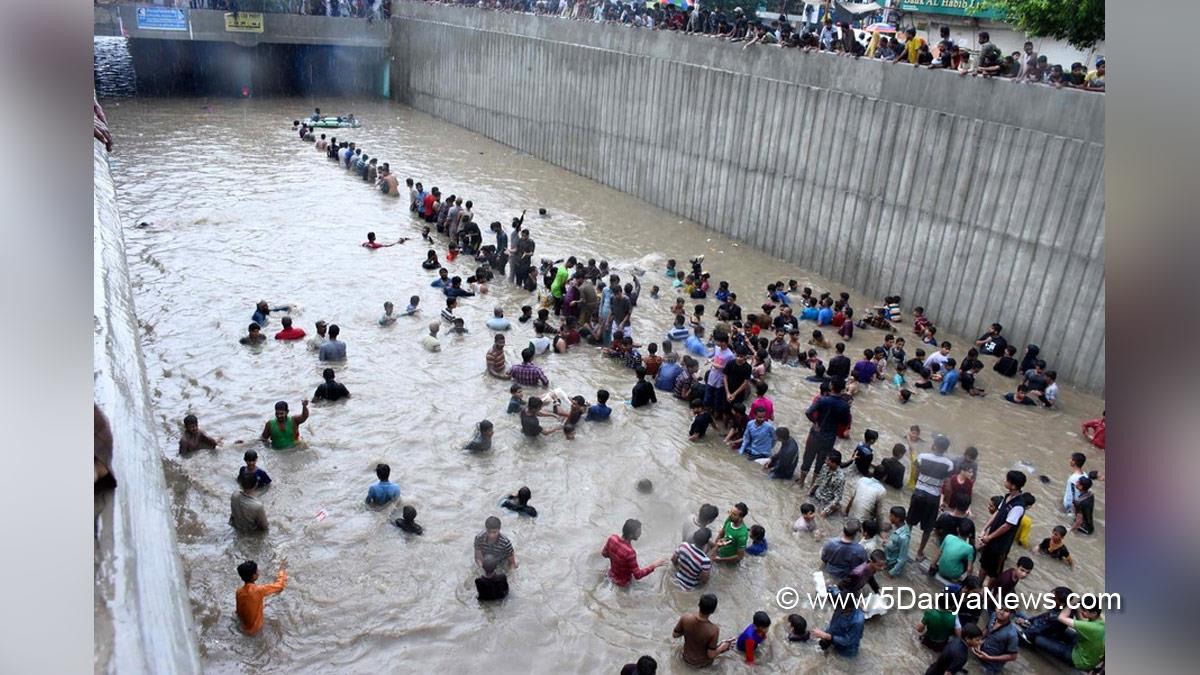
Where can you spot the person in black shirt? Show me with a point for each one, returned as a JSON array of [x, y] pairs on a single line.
[[701, 420], [1007, 365], [992, 343], [953, 657], [839, 366], [1085, 505], [782, 464], [893, 468], [330, 390], [730, 310], [828, 414], [408, 521], [519, 502], [737, 378], [643, 391], [492, 585]]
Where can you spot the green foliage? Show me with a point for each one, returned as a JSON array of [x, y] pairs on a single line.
[[1079, 22]]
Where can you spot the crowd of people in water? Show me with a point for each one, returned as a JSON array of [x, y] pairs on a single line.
[[722, 374], [817, 31]]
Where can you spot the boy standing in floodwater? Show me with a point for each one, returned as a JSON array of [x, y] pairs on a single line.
[[250, 596]]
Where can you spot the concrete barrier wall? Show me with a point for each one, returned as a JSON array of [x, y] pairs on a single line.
[[982, 200], [142, 595]]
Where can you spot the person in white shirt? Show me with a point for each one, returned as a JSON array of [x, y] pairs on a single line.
[[430, 342], [867, 501], [940, 357]]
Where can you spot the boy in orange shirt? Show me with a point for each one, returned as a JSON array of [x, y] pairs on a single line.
[[250, 596]]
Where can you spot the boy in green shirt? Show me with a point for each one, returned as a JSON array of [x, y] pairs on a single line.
[[1088, 650]]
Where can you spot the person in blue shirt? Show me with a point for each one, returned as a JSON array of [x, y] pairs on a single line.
[[262, 312], [599, 412], [758, 541], [679, 331], [809, 313], [455, 289], [754, 635], [759, 437], [261, 478], [695, 343], [517, 401], [845, 629], [825, 314], [777, 295], [950, 379], [668, 370], [722, 294], [385, 490], [443, 280]]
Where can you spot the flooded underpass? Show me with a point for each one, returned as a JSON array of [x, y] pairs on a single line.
[[238, 209]]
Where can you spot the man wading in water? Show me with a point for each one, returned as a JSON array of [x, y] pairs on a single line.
[[282, 431]]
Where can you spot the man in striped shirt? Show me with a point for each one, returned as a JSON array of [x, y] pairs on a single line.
[[526, 373], [448, 316], [932, 470], [692, 564]]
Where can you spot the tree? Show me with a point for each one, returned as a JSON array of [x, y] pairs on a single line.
[[1079, 22]]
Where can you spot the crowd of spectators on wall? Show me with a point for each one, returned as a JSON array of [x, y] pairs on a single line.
[[815, 30]]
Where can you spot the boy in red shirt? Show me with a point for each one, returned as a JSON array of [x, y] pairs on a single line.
[[288, 332]]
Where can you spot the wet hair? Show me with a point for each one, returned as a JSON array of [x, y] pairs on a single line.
[[742, 508], [708, 603], [632, 529], [524, 494], [898, 511], [1025, 563], [799, 627], [409, 513], [870, 435], [333, 331], [708, 513], [960, 501], [1029, 500], [328, 374], [1017, 478], [514, 389], [247, 570], [492, 523], [971, 631], [1084, 483], [1078, 459], [870, 528], [807, 507], [190, 419], [1060, 530], [247, 481], [851, 527], [762, 620], [490, 564], [834, 456], [383, 471], [253, 327], [485, 426], [250, 456], [905, 395], [878, 556], [966, 529], [757, 532], [602, 396]]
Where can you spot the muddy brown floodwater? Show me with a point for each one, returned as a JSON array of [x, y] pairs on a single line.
[[239, 210]]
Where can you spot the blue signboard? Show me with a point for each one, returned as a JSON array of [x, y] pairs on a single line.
[[161, 18]]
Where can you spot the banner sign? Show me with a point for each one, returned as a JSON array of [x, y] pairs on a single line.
[[247, 22], [161, 18], [969, 8]]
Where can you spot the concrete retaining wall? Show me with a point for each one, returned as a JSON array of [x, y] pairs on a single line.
[[982, 200], [142, 595]]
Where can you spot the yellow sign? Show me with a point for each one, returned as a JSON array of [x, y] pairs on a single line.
[[246, 22]]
